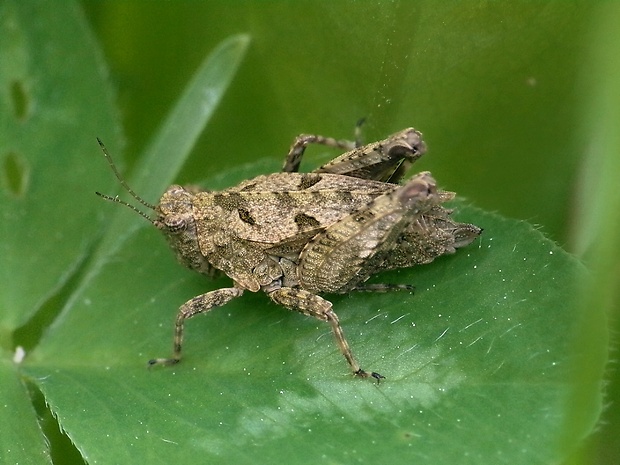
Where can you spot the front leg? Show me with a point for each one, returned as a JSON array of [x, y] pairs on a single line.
[[201, 304], [314, 305], [296, 152]]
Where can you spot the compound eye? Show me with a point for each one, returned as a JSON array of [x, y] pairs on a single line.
[[175, 223]]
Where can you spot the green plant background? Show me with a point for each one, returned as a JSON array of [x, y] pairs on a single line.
[[498, 357]]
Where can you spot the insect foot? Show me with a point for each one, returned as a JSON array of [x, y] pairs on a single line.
[[296, 235]]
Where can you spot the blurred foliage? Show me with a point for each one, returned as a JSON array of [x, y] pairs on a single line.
[[493, 85]]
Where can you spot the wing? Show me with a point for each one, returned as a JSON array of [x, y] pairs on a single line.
[[282, 207], [351, 250]]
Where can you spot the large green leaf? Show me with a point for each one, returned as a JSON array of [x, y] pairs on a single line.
[[22, 440], [478, 363], [44, 145], [50, 72], [56, 99]]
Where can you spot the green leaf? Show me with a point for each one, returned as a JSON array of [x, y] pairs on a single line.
[[477, 362], [47, 230], [46, 171], [597, 224], [22, 440], [52, 104]]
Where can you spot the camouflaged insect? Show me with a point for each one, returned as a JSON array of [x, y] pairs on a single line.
[[297, 235]]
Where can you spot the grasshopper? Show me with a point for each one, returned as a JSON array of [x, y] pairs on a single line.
[[297, 235]]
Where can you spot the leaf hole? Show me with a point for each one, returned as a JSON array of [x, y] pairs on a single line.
[[20, 100], [15, 174]]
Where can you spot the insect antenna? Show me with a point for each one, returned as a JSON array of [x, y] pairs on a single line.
[[125, 186]]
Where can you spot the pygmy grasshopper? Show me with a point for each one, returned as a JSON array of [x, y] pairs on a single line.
[[297, 235]]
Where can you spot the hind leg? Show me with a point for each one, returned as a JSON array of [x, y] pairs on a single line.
[[314, 305]]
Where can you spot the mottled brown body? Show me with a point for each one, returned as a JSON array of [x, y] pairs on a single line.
[[297, 235]]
